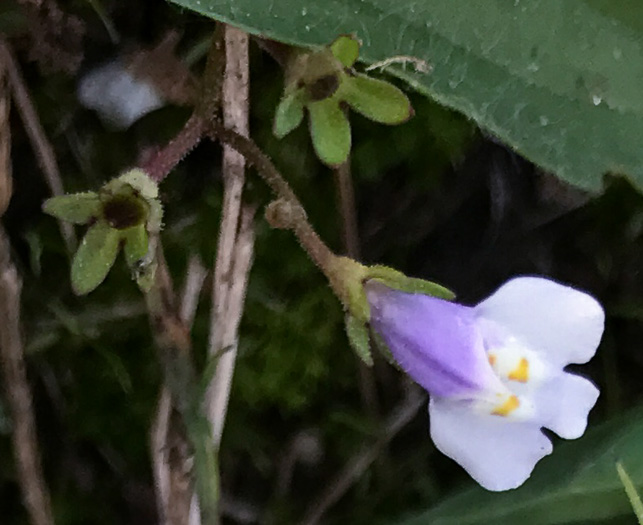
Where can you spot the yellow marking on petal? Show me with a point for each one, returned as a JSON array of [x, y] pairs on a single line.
[[521, 372], [507, 407], [492, 359]]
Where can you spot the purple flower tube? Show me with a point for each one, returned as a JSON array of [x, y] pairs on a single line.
[[495, 371]]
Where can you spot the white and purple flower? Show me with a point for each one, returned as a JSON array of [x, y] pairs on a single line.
[[495, 371]]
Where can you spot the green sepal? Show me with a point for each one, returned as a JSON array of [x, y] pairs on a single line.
[[149, 190], [94, 258], [414, 285], [137, 185], [144, 270], [358, 336], [155, 218], [140, 254], [382, 347], [347, 278], [136, 245], [345, 48], [376, 99], [304, 68], [330, 131], [398, 281], [289, 113], [78, 208], [135, 179], [141, 182], [145, 274]]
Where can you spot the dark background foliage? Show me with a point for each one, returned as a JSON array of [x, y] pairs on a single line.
[[436, 198]]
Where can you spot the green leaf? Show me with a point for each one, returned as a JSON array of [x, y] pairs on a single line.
[[330, 131], [376, 99], [78, 208], [557, 81], [94, 258], [578, 483], [358, 336], [345, 48], [289, 114], [136, 244]]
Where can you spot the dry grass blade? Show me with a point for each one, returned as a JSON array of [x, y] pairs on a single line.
[[41, 145], [18, 394], [13, 368], [5, 140], [236, 238], [359, 463], [161, 442], [169, 443]]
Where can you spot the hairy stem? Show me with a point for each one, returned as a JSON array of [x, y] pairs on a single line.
[[318, 251], [207, 108], [164, 161]]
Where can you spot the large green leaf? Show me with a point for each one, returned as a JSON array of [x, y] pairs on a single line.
[[578, 483], [558, 81]]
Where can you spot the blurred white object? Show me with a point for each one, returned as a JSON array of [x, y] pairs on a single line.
[[116, 95]]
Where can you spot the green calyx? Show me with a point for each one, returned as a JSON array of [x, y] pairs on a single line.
[[324, 83], [124, 212], [359, 338], [348, 277], [398, 281]]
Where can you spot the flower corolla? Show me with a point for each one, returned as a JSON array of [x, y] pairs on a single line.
[[495, 372]]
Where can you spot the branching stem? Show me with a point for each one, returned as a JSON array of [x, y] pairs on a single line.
[[318, 251]]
